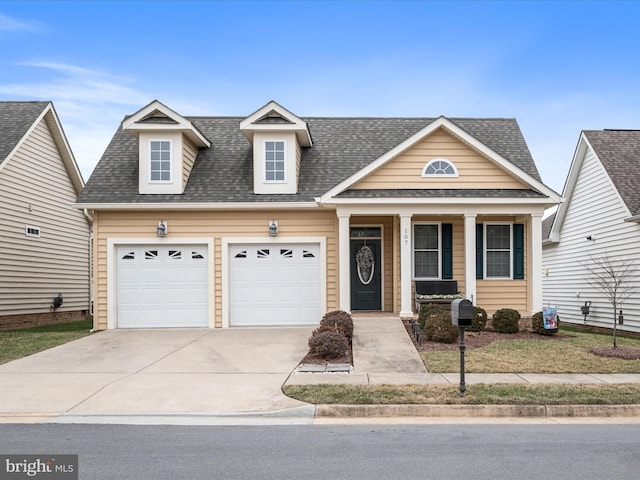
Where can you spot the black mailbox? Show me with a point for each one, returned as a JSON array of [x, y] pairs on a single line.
[[462, 312]]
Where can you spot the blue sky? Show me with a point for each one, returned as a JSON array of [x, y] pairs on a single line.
[[557, 67]]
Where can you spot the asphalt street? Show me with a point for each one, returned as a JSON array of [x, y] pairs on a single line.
[[396, 452]]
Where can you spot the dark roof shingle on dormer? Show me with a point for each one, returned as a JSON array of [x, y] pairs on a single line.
[[619, 152], [342, 147]]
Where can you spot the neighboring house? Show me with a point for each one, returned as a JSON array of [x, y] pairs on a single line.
[[599, 217], [44, 240], [273, 219]]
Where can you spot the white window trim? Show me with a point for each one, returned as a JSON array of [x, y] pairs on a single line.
[[32, 235], [413, 250], [171, 160], [264, 164], [443, 175], [485, 256]]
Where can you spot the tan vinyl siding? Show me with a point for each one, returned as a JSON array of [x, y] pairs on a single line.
[[189, 154], [216, 225], [496, 294], [405, 171], [36, 190]]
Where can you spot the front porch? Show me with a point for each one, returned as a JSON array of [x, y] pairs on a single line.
[[383, 251]]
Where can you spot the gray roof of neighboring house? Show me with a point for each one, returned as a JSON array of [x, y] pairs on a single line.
[[547, 223], [619, 152], [15, 120], [342, 147]]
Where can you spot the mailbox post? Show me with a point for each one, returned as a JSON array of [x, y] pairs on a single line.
[[461, 317]]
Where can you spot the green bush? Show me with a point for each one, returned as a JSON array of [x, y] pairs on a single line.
[[340, 319], [328, 344], [427, 310], [438, 328], [506, 320], [537, 325], [479, 321]]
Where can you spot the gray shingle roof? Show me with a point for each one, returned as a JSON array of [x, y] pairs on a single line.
[[15, 119], [619, 152], [441, 193], [547, 223], [342, 146]]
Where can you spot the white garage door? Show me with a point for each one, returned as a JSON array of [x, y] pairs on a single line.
[[162, 286], [274, 284]]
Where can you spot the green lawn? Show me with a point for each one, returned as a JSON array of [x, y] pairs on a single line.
[[562, 355], [16, 344]]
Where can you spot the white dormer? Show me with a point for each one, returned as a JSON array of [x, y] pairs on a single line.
[[168, 146], [277, 136]]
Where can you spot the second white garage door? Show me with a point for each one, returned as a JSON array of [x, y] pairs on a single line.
[[277, 284]]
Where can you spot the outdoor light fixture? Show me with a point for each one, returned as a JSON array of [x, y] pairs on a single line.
[[591, 238], [273, 228], [163, 228]]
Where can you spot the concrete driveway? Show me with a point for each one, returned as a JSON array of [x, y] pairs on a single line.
[[163, 372]]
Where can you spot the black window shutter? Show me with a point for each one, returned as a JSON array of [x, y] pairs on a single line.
[[518, 251], [479, 250], [447, 251]]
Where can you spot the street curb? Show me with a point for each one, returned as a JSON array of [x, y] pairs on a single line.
[[476, 411]]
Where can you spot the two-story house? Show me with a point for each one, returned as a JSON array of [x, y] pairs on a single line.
[[274, 219]]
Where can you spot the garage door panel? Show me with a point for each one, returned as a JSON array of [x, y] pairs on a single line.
[[274, 285], [162, 286]]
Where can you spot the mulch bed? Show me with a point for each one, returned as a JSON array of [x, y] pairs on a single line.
[[488, 336]]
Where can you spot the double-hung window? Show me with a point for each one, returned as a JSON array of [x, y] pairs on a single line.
[[160, 154], [274, 168], [426, 251], [498, 250]]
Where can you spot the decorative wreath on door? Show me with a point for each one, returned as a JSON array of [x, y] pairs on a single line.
[[365, 264]]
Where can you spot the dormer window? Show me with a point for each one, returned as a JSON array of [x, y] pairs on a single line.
[[440, 167], [274, 169], [160, 153]]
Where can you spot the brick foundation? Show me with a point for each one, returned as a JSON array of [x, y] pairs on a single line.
[[10, 322]]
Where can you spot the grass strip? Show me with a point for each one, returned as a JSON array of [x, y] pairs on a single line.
[[478, 394], [561, 355], [20, 343]]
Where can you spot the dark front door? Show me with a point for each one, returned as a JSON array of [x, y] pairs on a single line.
[[366, 274]]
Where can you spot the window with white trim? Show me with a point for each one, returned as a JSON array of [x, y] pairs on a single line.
[[498, 250], [31, 231], [274, 166], [426, 250], [160, 157], [440, 167]]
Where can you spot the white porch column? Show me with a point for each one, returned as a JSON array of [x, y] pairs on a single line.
[[470, 256], [535, 272], [344, 262], [406, 303]]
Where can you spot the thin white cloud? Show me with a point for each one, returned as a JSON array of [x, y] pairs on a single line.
[[91, 103], [9, 24]]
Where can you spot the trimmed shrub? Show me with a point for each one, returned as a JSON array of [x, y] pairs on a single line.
[[438, 328], [428, 310], [328, 344], [340, 319], [479, 321], [537, 325], [506, 320]]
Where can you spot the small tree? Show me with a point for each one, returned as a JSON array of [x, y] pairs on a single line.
[[611, 278]]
